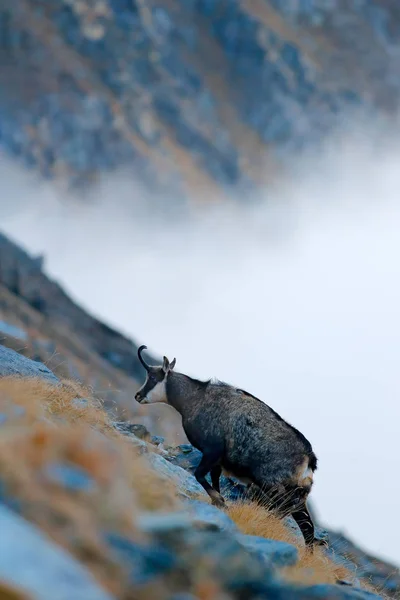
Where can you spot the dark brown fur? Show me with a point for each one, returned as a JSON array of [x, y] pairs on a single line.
[[240, 434]]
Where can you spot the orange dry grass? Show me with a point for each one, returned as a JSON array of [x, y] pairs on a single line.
[[315, 568], [73, 516], [253, 519], [311, 568], [45, 441], [41, 401], [56, 402]]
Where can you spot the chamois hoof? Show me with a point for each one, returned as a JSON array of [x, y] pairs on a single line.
[[316, 543], [218, 500], [321, 542]]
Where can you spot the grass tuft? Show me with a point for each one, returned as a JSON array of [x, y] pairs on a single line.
[[40, 399], [311, 568]]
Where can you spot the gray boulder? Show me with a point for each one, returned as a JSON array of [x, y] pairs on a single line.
[[139, 444], [33, 563], [16, 365], [272, 552], [136, 429], [217, 553], [163, 522], [184, 481], [211, 515]]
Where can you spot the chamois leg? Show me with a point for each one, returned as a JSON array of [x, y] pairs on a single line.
[[208, 464], [304, 521], [215, 475]]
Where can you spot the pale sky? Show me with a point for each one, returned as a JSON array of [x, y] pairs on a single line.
[[296, 301]]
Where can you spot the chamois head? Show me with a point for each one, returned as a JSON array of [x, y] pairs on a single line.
[[154, 388]]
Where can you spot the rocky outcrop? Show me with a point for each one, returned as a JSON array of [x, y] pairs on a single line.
[[15, 365], [187, 91]]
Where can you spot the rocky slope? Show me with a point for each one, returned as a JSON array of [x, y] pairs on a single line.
[[89, 510], [39, 320], [192, 95]]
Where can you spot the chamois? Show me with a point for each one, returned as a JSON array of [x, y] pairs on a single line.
[[238, 435]]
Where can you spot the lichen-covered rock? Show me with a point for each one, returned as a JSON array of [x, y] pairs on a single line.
[[14, 364]]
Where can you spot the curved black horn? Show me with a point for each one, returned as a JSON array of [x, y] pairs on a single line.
[[140, 350]]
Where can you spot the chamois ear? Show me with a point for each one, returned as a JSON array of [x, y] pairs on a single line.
[[168, 366], [165, 364]]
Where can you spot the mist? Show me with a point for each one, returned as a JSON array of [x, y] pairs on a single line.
[[294, 297]]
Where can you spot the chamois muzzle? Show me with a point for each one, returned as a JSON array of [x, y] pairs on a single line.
[[139, 398]]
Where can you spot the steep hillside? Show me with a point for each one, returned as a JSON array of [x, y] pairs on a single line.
[[194, 98], [88, 511], [39, 320], [191, 95], [77, 488]]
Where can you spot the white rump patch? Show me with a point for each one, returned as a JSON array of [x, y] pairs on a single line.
[[305, 474]]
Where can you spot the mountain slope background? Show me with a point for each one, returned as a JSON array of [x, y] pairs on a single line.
[[193, 95]]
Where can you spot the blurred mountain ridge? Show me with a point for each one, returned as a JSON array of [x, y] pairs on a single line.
[[193, 95]]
